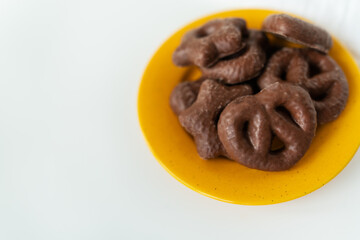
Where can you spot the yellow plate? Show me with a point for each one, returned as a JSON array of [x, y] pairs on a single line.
[[331, 150]]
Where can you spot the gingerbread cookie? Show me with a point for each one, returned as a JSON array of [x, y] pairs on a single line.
[[298, 31], [200, 119], [216, 39], [243, 65], [318, 73], [248, 125]]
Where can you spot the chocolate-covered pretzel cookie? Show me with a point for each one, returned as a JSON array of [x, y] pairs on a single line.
[[319, 74], [184, 95], [216, 39], [298, 31], [243, 65], [200, 119], [248, 124]]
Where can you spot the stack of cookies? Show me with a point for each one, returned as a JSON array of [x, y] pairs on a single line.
[[256, 103]]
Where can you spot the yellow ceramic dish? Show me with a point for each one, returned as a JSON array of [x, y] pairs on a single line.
[[331, 150]]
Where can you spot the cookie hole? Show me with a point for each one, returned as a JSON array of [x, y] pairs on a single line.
[[236, 55], [286, 114], [322, 94], [276, 145], [319, 96], [201, 33], [205, 31], [245, 132], [282, 75], [313, 70]]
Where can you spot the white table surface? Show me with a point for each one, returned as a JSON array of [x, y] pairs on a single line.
[[73, 161]]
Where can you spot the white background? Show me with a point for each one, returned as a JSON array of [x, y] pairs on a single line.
[[73, 161]]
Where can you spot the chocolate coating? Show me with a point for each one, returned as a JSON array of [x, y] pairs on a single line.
[[200, 119], [247, 125], [184, 95], [243, 65], [216, 39], [298, 31], [319, 74]]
